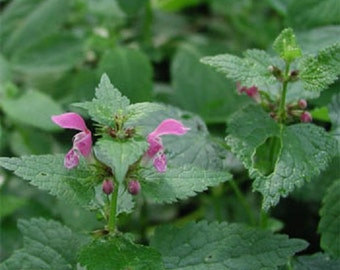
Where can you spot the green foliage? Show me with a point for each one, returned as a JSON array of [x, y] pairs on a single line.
[[305, 150], [179, 183], [48, 173], [119, 253], [318, 72], [48, 14], [119, 155], [315, 262], [37, 115], [45, 245], [309, 13], [286, 46], [54, 54], [222, 246], [107, 103], [251, 70], [329, 225], [12, 204], [175, 5], [319, 38], [197, 95], [121, 64]]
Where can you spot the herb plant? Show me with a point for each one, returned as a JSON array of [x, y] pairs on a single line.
[[192, 177]]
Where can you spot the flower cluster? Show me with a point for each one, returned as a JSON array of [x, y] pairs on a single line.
[[155, 151], [294, 111], [82, 141]]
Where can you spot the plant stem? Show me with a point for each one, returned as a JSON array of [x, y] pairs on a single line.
[[263, 219], [282, 109], [113, 209], [243, 201]]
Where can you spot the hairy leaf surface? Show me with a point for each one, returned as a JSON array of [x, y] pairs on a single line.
[[120, 254], [329, 225], [44, 246], [304, 151], [47, 172], [204, 246], [179, 183]]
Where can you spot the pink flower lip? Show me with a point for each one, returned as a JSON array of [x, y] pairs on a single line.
[[156, 148], [82, 141], [70, 120]]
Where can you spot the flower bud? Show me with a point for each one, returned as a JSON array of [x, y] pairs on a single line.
[[107, 187], [306, 117], [302, 104], [134, 187]]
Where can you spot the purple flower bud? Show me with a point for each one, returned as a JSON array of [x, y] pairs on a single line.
[[306, 117], [108, 187], [302, 104], [134, 187]]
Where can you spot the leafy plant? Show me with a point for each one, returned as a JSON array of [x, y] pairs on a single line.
[[228, 161]]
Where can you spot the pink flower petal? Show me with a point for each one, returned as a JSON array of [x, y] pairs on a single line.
[[155, 145], [160, 162], [169, 127], [70, 120], [83, 142], [71, 159]]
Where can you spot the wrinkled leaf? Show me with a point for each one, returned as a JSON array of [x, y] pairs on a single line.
[[329, 225], [203, 246], [179, 183], [45, 243], [48, 173], [120, 254]]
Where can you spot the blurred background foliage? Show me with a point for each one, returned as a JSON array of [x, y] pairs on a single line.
[[53, 53]]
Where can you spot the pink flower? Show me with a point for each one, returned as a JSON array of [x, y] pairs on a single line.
[[251, 92], [156, 148], [82, 141]]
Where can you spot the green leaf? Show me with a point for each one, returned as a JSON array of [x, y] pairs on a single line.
[[32, 108], [286, 46], [318, 72], [334, 114], [107, 103], [54, 54], [47, 245], [316, 189], [120, 254], [207, 93], [329, 225], [202, 246], [313, 40], [46, 17], [316, 261], [138, 111], [119, 155], [130, 71], [12, 203], [317, 13], [175, 5], [179, 183], [131, 7], [251, 70], [48, 173], [304, 150], [11, 16]]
